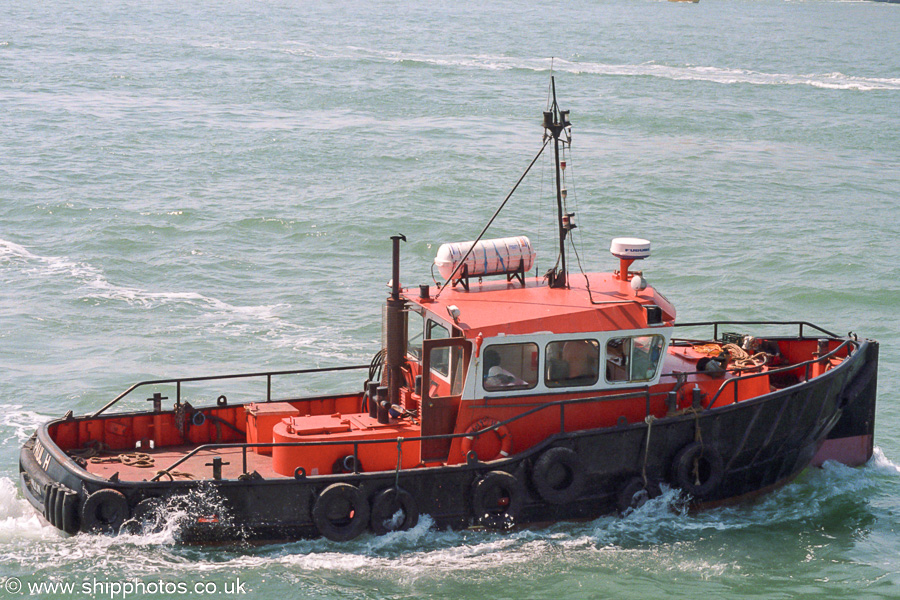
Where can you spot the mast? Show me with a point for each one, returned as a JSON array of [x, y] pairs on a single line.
[[555, 122]]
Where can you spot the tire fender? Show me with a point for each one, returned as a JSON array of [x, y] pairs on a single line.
[[698, 470], [341, 512], [558, 476], [497, 500], [635, 493], [104, 511], [385, 506]]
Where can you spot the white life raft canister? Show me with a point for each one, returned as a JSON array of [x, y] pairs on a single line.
[[490, 257]]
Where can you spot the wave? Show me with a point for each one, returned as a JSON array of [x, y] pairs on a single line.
[[18, 520], [662, 533], [318, 340], [722, 75], [21, 423], [101, 288], [882, 464]]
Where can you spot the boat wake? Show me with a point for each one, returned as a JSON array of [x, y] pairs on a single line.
[[661, 536], [99, 287], [687, 72], [18, 520], [238, 321], [18, 424]]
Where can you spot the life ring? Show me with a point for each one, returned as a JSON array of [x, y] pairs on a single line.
[[104, 511], [484, 423], [698, 470], [635, 494], [558, 476], [496, 500], [341, 512], [386, 506]]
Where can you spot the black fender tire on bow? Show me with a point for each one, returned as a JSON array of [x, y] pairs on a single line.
[[104, 511], [341, 512], [496, 500], [558, 476], [635, 493], [386, 504], [698, 469]]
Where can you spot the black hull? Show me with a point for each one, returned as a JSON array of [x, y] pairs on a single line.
[[719, 455]]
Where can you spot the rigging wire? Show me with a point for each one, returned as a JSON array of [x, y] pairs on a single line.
[[490, 222]]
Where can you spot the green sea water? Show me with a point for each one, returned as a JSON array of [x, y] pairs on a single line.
[[195, 188]]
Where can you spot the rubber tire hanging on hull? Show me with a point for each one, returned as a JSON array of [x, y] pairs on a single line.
[[558, 476], [386, 504], [104, 511], [149, 516], [698, 470], [341, 512], [635, 494], [496, 500]]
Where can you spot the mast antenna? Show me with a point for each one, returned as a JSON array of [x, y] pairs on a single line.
[[555, 122]]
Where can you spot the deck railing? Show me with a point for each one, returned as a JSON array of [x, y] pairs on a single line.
[[799, 324], [267, 374], [642, 392], [639, 392]]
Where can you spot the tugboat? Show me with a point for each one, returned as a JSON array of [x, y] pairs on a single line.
[[499, 400]]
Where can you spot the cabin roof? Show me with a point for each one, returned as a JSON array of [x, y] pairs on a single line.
[[497, 307]]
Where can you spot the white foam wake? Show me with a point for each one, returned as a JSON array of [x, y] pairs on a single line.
[[723, 75], [98, 286], [17, 424], [18, 519]]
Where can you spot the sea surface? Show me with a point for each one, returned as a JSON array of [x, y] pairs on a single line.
[[195, 188]]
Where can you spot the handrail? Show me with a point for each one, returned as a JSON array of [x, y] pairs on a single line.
[[267, 374], [773, 371], [643, 391], [715, 324]]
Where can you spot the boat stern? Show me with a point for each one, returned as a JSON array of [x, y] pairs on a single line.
[[44, 485]]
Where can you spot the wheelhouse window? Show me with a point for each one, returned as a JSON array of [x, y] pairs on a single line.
[[572, 363], [634, 358], [415, 329], [510, 367], [440, 358]]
